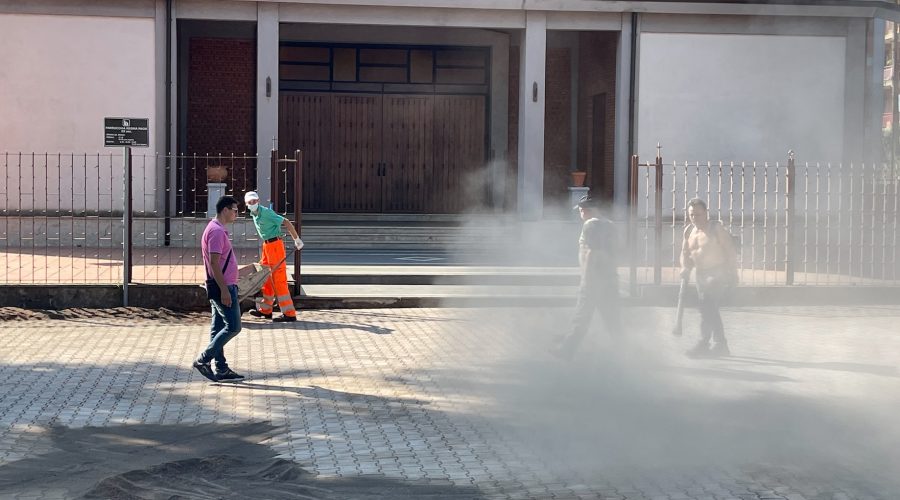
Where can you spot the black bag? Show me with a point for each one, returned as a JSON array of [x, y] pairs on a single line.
[[213, 292]]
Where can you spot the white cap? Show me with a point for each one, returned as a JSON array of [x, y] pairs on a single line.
[[251, 195]]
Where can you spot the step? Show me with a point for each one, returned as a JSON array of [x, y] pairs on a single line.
[[350, 296], [439, 275], [355, 234], [191, 296], [421, 237]]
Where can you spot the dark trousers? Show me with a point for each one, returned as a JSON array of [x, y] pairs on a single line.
[[602, 296], [711, 290]]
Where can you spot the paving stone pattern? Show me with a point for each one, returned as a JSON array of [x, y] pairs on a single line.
[[805, 409]]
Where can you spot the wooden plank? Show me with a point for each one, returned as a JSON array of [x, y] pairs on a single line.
[[407, 155], [459, 155], [305, 119], [340, 137], [317, 120], [443, 140], [356, 148], [432, 149]]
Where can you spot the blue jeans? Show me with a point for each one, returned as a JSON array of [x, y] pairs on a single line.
[[226, 324]]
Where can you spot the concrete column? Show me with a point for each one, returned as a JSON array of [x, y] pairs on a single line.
[[266, 92], [855, 91], [874, 90], [573, 109], [172, 85], [499, 124], [159, 128], [624, 141], [533, 58]]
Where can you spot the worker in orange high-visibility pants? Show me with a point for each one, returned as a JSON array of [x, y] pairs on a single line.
[[270, 227]]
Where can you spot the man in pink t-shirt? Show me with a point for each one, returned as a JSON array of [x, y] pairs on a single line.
[[221, 268]]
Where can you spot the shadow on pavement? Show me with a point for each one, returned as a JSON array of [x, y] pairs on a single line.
[[883, 370], [312, 326], [315, 391], [204, 461], [731, 374]]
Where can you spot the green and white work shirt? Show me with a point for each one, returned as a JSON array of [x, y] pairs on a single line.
[[267, 222]]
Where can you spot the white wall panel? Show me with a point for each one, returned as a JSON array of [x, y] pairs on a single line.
[[60, 76], [741, 97]]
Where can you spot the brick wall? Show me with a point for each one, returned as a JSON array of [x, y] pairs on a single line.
[[597, 75], [557, 124], [221, 100], [512, 153], [221, 111]]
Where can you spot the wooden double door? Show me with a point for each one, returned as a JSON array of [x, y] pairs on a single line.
[[383, 153]]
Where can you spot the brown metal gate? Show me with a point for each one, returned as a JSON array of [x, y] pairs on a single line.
[[385, 152]]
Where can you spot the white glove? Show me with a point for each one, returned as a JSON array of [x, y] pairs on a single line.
[[298, 243]]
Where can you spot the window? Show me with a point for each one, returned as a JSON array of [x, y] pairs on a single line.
[[412, 65]]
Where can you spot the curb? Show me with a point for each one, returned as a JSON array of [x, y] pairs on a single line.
[[192, 297]]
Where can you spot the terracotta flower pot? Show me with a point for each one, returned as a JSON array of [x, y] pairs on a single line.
[[578, 178], [216, 173]]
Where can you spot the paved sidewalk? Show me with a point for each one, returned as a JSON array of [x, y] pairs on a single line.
[[178, 265], [468, 400]]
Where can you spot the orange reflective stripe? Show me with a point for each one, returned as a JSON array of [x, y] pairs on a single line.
[[265, 306], [273, 253]]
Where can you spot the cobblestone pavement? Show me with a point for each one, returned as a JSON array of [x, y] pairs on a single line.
[[804, 409]]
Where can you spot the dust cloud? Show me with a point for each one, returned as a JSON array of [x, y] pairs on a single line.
[[633, 400]]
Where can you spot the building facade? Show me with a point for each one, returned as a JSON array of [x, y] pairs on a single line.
[[443, 107]]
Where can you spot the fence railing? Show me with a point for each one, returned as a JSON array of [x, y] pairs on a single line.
[[797, 223], [83, 184], [62, 215]]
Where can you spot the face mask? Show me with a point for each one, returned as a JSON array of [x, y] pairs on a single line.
[[253, 208]]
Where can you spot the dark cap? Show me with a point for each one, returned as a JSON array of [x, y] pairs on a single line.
[[587, 201]]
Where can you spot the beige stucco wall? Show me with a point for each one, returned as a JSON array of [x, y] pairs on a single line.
[[60, 76], [741, 97]]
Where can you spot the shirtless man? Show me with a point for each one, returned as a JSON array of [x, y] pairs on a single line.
[[708, 248]]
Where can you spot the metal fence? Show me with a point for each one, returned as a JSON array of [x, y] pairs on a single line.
[[63, 217], [797, 223]]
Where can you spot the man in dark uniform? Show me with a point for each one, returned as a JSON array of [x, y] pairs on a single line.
[[599, 288]]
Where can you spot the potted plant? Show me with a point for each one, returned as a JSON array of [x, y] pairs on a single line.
[[578, 177], [216, 173]]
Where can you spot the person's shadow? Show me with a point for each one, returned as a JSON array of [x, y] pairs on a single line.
[[882, 370], [730, 374], [319, 392], [317, 326]]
